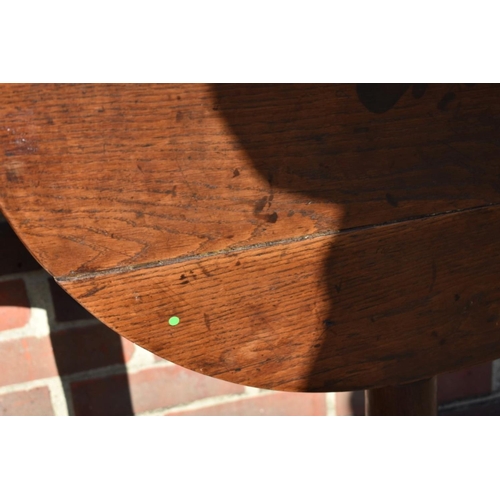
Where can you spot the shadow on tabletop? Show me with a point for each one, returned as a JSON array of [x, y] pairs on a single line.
[[312, 141]]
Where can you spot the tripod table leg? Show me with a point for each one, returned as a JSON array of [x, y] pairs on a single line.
[[417, 398]]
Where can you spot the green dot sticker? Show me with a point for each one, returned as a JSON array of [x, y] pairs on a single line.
[[174, 321]]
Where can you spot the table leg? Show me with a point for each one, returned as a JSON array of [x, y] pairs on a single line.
[[417, 398]]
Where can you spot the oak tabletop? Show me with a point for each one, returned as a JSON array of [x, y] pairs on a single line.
[[289, 237]]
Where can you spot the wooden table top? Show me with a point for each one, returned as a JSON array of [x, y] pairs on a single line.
[[290, 237]]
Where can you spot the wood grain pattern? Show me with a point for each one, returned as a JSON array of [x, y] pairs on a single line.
[[309, 237], [365, 308], [96, 177]]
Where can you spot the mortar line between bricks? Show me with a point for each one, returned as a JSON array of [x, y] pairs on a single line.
[[95, 373], [40, 296], [254, 390], [111, 370], [40, 307], [38, 290], [331, 409], [28, 330], [42, 322], [202, 403], [36, 327], [38, 273], [469, 402], [66, 380], [495, 375], [141, 357], [68, 397], [58, 397], [40, 299], [26, 386], [75, 324]]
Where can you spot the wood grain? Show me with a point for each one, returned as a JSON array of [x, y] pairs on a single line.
[[309, 237], [99, 177], [365, 308]]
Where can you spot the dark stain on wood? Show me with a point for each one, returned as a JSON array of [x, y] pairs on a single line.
[[12, 176], [207, 321], [418, 90], [259, 205], [272, 218], [380, 97], [446, 100], [92, 291], [391, 200], [204, 270]]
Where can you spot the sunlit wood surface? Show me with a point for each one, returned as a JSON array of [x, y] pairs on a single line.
[[308, 237]]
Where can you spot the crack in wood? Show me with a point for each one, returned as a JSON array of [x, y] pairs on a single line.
[[229, 251]]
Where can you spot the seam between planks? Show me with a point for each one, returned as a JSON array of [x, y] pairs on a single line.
[[297, 239]]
